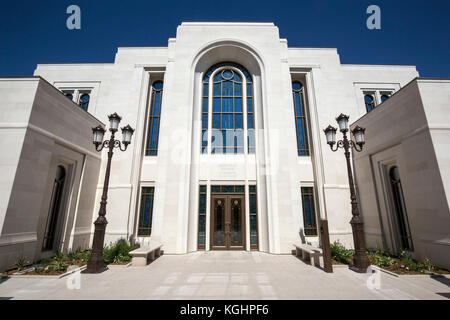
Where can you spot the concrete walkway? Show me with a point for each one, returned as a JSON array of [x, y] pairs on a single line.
[[226, 275]]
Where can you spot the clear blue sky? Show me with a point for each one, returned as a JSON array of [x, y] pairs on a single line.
[[412, 32]]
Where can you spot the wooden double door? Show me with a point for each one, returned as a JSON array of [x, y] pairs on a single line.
[[227, 222]]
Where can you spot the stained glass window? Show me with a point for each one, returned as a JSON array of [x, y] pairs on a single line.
[[300, 119], [228, 100], [154, 119], [146, 212]]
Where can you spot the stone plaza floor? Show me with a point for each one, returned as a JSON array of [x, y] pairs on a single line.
[[226, 275]]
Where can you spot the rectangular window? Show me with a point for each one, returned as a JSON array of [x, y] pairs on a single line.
[[300, 118], [146, 212], [309, 212], [253, 218], [202, 218], [151, 148]]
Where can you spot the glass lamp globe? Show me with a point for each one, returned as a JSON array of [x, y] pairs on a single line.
[[330, 134], [114, 120], [98, 133], [342, 121], [358, 133], [127, 132]]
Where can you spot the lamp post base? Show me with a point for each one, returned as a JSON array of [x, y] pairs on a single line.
[[96, 267], [360, 260], [96, 263]]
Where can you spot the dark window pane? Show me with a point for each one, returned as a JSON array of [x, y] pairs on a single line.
[[216, 121], [227, 88], [205, 89], [227, 121], [249, 104], [252, 203], [238, 121], [218, 77], [238, 105], [249, 89], [216, 105], [227, 105], [217, 89], [204, 121], [205, 105], [250, 121], [237, 77], [237, 89]]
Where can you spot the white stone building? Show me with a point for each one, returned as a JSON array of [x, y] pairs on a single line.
[[228, 151]]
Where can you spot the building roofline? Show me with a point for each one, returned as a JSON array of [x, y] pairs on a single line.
[[19, 77], [76, 64], [143, 47], [312, 48], [378, 65], [231, 23]]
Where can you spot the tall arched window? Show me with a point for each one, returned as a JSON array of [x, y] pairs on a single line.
[[300, 119], [230, 97], [369, 101], [84, 101], [400, 209], [151, 148]]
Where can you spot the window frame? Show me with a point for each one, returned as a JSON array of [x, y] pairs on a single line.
[[141, 202], [313, 206], [304, 119], [151, 116], [207, 149]]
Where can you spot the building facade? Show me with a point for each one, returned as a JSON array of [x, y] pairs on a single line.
[[228, 152]]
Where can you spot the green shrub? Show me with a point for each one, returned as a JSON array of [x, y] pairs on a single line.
[[21, 262], [119, 251], [340, 253]]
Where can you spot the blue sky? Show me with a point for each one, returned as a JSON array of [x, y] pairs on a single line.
[[412, 32]]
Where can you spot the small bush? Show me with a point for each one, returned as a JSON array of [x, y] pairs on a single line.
[[340, 253], [21, 262], [119, 251]]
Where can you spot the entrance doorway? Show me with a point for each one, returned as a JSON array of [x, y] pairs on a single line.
[[227, 222]]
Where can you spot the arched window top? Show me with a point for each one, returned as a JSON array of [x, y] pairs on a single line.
[[227, 75], [297, 86], [384, 97], [157, 85], [211, 70], [368, 98], [84, 101], [84, 98]]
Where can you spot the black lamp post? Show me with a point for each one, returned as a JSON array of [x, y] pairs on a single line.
[[96, 263], [360, 259]]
